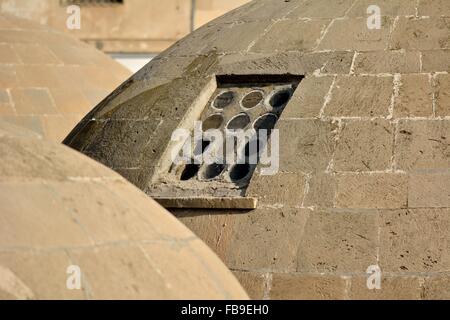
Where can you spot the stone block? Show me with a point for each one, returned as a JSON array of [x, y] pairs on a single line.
[[267, 239], [436, 61], [371, 151], [443, 95], [307, 287], [423, 144], [8, 55], [387, 62], [306, 145], [321, 191], [338, 242], [429, 190], [391, 8], [436, 287], [27, 267], [414, 240], [298, 35], [415, 97], [421, 34], [393, 287], [434, 8], [353, 34], [286, 189], [377, 190], [364, 96], [321, 9], [33, 101], [309, 98], [253, 283], [39, 227]]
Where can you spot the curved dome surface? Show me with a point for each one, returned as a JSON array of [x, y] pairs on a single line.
[[63, 215], [364, 144], [49, 80]]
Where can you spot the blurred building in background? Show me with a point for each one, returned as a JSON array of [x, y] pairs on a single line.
[[131, 31]]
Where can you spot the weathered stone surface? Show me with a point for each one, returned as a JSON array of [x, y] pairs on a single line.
[[307, 287], [265, 188], [321, 191], [434, 8], [436, 287], [413, 34], [429, 190], [387, 62], [415, 97], [321, 9], [423, 144], [278, 231], [436, 61], [305, 37], [309, 98], [443, 95], [372, 151], [414, 240], [306, 145], [391, 8], [360, 97], [338, 242], [253, 283], [392, 288], [378, 190], [353, 34]]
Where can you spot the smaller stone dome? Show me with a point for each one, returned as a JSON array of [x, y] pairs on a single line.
[[62, 212], [48, 79]]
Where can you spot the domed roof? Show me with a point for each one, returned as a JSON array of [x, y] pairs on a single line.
[[63, 213], [49, 80], [363, 144]]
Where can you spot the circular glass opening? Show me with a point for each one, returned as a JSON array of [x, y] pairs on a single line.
[[190, 171], [280, 99], [252, 151], [224, 99], [201, 147], [212, 122], [213, 170], [266, 122], [252, 99], [239, 172], [239, 122]]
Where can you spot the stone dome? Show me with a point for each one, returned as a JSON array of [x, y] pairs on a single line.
[[60, 210], [364, 151], [49, 80]]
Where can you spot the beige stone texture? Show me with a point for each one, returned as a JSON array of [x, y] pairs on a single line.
[[443, 95], [62, 209], [372, 151], [309, 99], [415, 97], [414, 240], [49, 80], [423, 144], [305, 37], [363, 167], [353, 34], [308, 145], [378, 190], [254, 283], [307, 287], [413, 34], [361, 96], [392, 288], [374, 62], [338, 242]]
